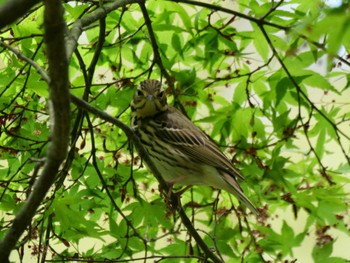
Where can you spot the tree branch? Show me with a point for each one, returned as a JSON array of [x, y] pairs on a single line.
[[99, 13], [232, 12], [60, 114], [300, 91], [157, 58], [98, 50], [260, 22], [28, 60], [13, 9]]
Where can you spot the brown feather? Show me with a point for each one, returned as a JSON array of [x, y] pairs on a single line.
[[182, 133]]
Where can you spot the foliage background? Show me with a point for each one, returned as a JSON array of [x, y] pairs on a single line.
[[268, 81]]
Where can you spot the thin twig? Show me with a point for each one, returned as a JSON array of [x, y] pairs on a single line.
[[79, 24], [28, 60]]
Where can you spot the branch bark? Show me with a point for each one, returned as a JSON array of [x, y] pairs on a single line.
[[13, 9], [99, 13], [54, 25]]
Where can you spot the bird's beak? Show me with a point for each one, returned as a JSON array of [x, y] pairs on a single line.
[[149, 97]]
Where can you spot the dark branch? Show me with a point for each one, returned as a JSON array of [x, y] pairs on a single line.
[[300, 91], [232, 12], [97, 53], [99, 13], [28, 60], [14, 9], [157, 58], [60, 114], [260, 22]]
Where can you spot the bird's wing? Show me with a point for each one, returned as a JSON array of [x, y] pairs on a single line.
[[179, 131]]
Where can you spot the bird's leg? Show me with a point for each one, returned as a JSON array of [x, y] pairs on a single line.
[[166, 193], [174, 181], [178, 193], [171, 184]]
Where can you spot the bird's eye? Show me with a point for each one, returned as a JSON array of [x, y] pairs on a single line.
[[161, 94], [139, 93]]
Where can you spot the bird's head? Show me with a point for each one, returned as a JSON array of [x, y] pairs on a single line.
[[149, 99]]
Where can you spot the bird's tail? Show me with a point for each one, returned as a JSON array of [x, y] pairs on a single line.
[[234, 188]]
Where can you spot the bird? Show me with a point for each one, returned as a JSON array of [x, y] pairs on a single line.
[[182, 153]]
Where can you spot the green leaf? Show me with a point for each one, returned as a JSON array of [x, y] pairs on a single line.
[[287, 232], [281, 89], [322, 254], [38, 86], [320, 149], [75, 11], [260, 43], [239, 95], [176, 43], [317, 81]]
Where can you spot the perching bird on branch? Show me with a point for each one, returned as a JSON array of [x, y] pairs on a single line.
[[182, 153]]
